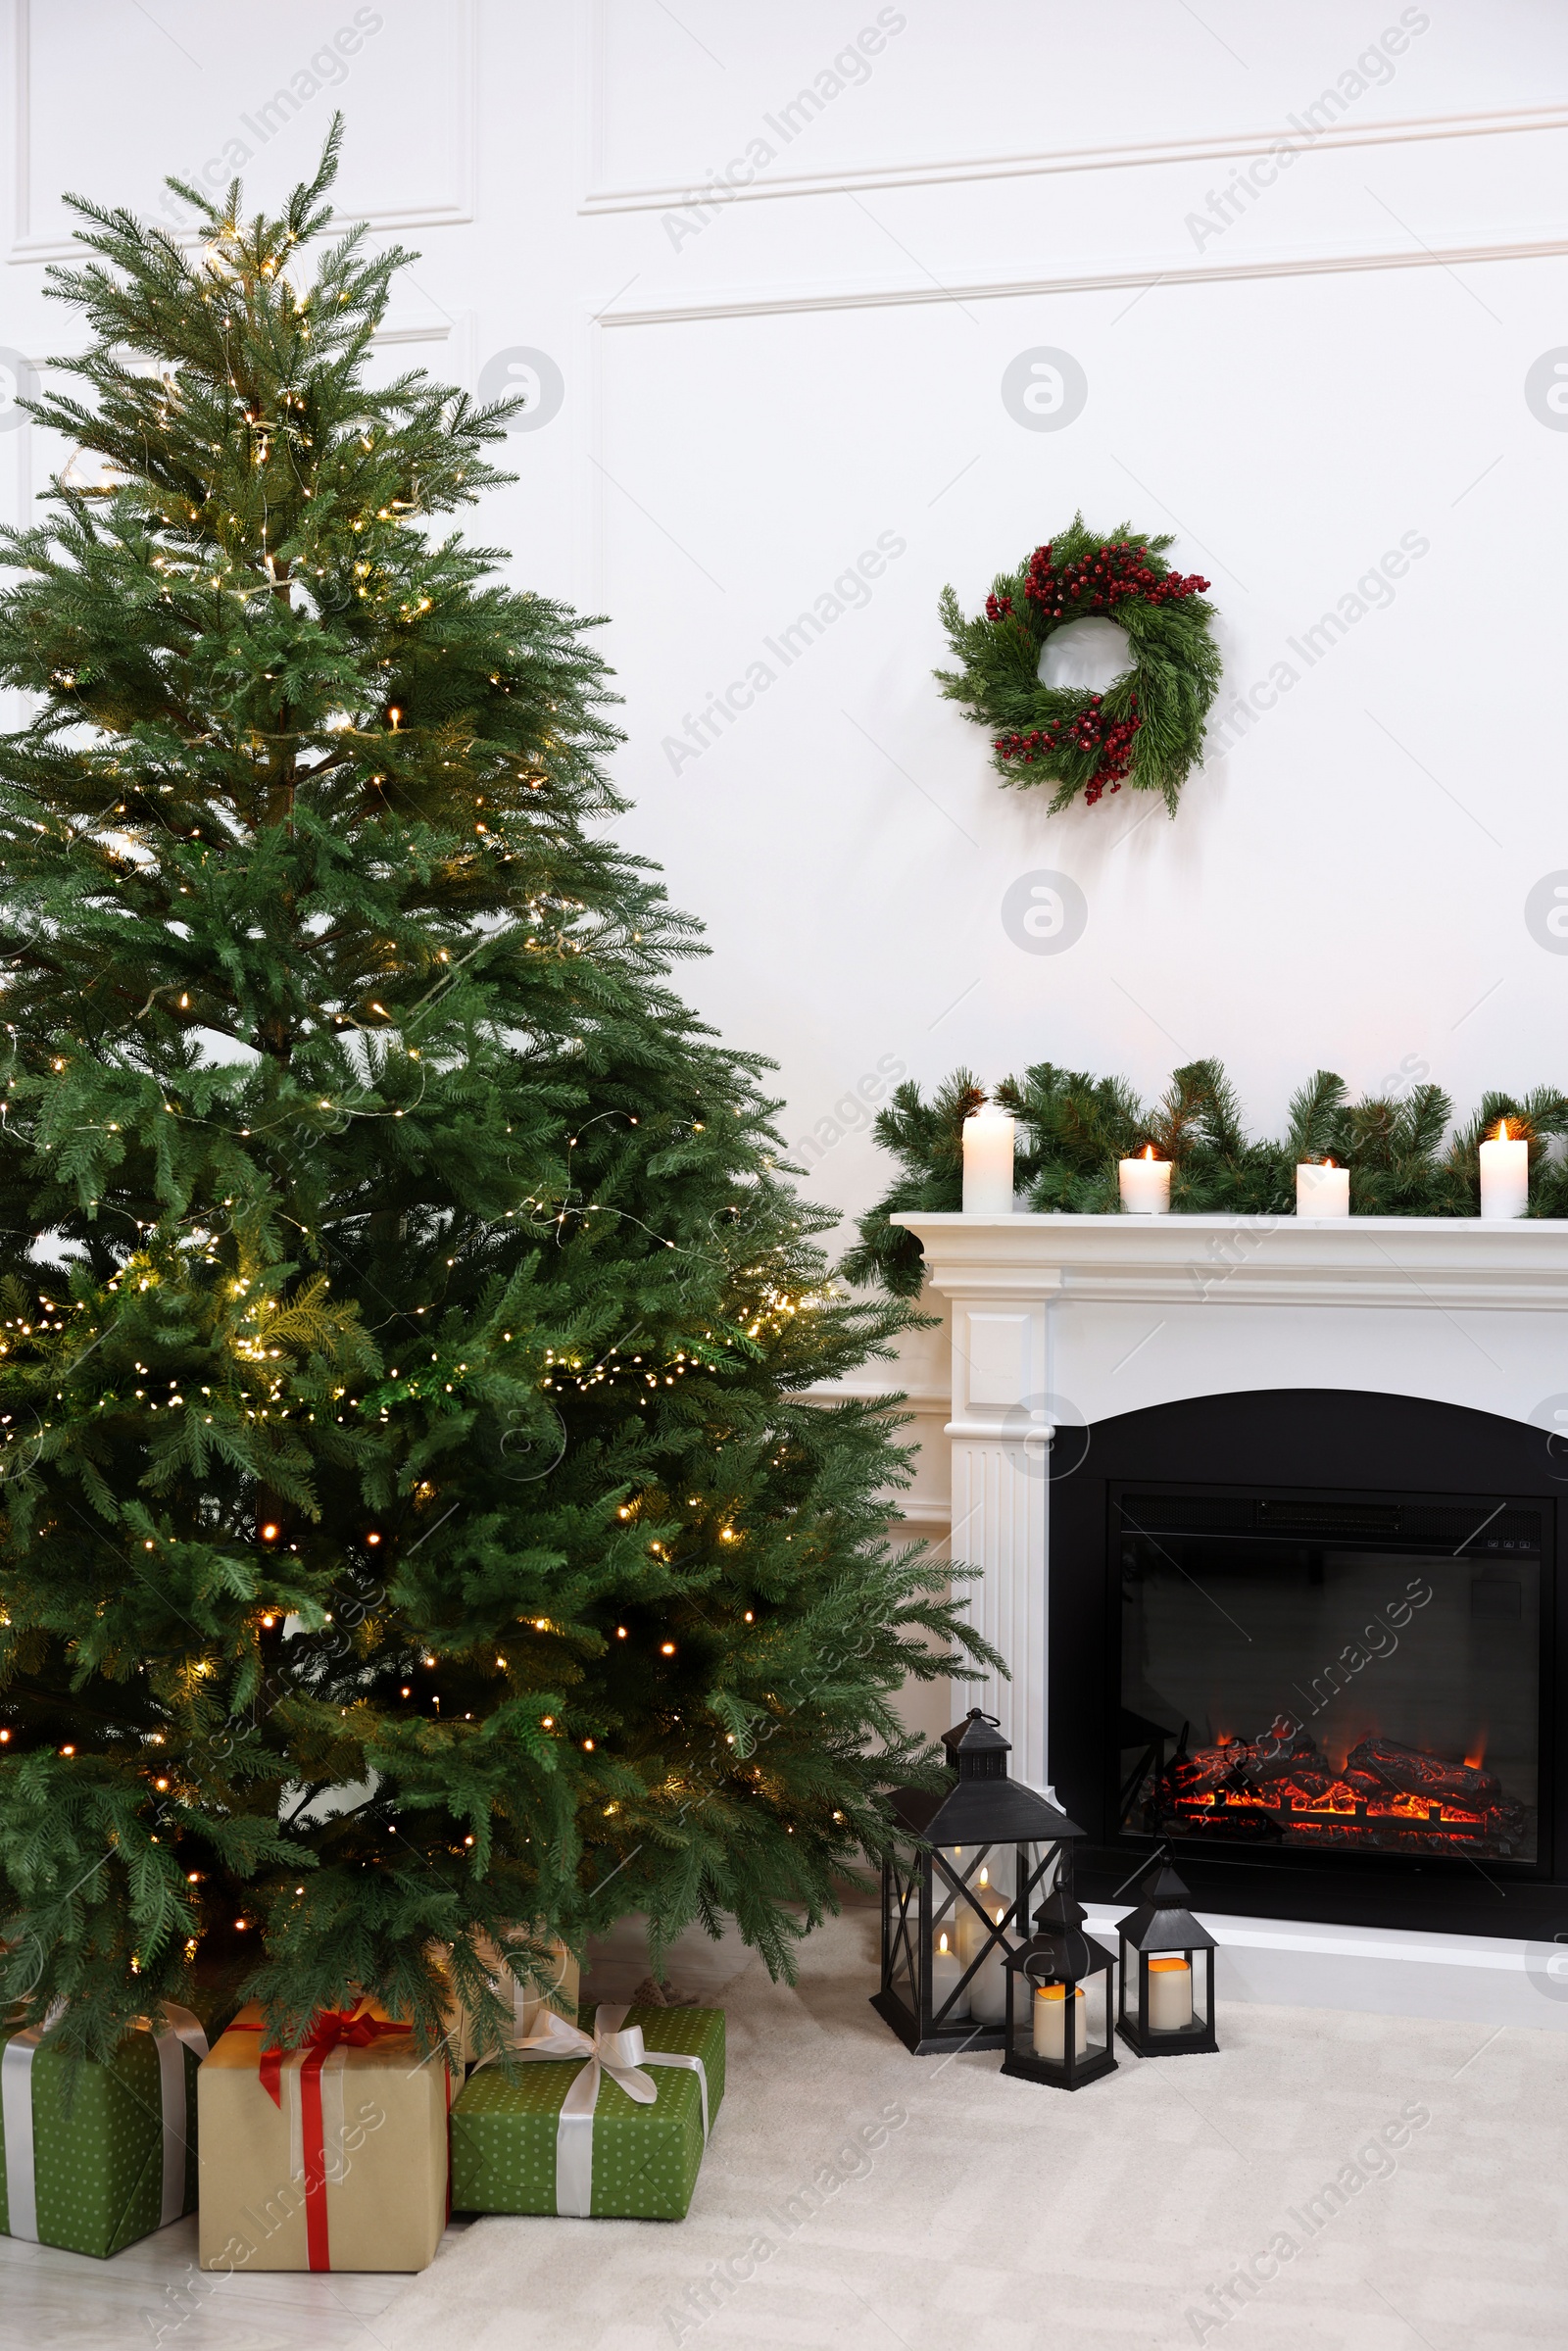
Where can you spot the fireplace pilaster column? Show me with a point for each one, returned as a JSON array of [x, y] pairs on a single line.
[[1000, 1431]]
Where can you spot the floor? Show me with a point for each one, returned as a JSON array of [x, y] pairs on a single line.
[[990, 2214]]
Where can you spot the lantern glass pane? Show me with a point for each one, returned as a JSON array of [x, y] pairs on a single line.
[[1095, 1996], [1041, 1871], [1203, 1987], [969, 1923], [900, 1929]]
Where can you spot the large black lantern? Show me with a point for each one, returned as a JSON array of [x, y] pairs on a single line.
[[1059, 2000], [1167, 1972], [955, 1906]]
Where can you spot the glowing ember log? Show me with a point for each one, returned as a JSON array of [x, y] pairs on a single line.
[[1282, 1787]]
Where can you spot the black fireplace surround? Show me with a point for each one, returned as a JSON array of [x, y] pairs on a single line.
[[1311, 1639]]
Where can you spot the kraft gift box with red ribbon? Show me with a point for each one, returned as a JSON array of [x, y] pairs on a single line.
[[96, 2154], [606, 2125], [332, 2156]]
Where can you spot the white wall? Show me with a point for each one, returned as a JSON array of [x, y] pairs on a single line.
[[751, 395]]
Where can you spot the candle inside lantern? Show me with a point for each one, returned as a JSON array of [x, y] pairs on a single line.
[[946, 1969], [988, 1988], [988, 1162], [1170, 1993], [1145, 1184], [1505, 1173], [1322, 1189], [971, 1935], [1050, 2013]]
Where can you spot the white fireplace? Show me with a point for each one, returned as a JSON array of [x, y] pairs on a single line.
[[1059, 1323]]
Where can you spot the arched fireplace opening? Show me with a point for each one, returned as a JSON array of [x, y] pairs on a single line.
[[1308, 1638]]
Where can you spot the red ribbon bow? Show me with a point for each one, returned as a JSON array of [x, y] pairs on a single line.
[[333, 2029]]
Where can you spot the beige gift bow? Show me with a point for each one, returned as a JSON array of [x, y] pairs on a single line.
[[614, 2048]]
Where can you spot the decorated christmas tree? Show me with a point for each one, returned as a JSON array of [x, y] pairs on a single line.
[[410, 1519]]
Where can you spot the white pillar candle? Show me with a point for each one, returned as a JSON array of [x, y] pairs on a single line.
[[1322, 1191], [1505, 1173], [988, 1986], [1171, 1995], [946, 1969], [988, 1162], [1050, 2009], [1145, 1184]]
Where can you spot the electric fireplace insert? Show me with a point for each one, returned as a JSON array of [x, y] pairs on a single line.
[[1325, 1674], [1315, 1643]]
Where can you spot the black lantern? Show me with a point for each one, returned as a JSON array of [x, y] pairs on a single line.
[[1059, 2000], [982, 1853], [1167, 1972]]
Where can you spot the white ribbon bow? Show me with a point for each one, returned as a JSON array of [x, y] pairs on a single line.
[[181, 2033], [614, 2048]]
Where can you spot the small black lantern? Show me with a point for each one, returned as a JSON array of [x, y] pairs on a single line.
[[1059, 2000], [1167, 1972], [954, 1909]]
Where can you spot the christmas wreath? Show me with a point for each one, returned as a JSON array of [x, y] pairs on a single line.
[[1141, 721]]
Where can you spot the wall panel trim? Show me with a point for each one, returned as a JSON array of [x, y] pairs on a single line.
[[793, 300]]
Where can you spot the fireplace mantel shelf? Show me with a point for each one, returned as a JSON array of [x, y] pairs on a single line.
[[1408, 1261]]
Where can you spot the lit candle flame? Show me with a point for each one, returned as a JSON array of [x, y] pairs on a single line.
[[1149, 1151], [1501, 1135], [942, 1946]]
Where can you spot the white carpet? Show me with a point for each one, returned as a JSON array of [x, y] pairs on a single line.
[[995, 2213], [1011, 2218]]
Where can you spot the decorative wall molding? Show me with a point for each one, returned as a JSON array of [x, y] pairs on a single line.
[[790, 302], [912, 1513], [927, 1400], [456, 209], [1220, 148]]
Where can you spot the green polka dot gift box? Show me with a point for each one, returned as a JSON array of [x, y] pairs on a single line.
[[603, 2124], [94, 2155]]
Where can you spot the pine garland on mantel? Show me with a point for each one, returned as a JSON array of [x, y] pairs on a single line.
[[1074, 1127]]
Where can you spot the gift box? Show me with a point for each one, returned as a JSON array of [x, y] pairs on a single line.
[[332, 2156], [528, 1998], [610, 2125], [96, 2153]]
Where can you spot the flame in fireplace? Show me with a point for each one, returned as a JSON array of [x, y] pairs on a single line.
[[1381, 1793], [1477, 1755]]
